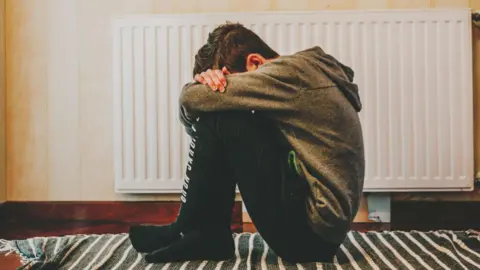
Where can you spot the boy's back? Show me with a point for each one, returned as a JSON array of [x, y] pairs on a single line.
[[326, 134]]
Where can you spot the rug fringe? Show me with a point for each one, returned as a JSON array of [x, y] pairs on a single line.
[[7, 246]]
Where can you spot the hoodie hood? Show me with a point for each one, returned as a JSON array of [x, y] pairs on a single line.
[[341, 75]]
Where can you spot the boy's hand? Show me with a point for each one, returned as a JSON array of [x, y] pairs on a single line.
[[213, 78]]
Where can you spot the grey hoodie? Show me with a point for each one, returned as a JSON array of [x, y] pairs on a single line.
[[312, 98]]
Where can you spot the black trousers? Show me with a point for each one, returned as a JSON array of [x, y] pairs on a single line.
[[248, 150]]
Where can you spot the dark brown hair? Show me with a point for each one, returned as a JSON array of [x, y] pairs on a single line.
[[228, 45]]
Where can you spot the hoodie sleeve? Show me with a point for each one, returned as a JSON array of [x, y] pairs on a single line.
[[270, 88]]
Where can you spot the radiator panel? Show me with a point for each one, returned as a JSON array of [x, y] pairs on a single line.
[[413, 68]]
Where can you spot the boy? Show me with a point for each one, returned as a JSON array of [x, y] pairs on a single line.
[[286, 130]]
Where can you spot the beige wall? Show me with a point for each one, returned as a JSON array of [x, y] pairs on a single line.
[[3, 190], [59, 98]]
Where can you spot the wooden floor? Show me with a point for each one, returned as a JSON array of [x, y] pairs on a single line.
[[9, 262]]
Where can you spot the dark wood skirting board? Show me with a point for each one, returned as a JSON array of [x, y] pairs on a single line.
[[425, 216], [428, 216], [30, 219], [357, 226], [371, 226], [435, 215]]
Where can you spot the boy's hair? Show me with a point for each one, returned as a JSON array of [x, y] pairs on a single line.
[[228, 45]]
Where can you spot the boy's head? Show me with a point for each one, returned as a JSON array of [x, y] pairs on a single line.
[[235, 47]]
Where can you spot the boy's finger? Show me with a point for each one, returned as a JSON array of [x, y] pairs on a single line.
[[199, 79], [215, 79], [225, 71], [209, 81], [221, 77]]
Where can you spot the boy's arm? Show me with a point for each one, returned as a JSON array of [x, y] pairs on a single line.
[[270, 88]]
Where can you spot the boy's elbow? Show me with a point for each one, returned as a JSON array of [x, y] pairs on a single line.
[[188, 97], [186, 107], [182, 100], [187, 100]]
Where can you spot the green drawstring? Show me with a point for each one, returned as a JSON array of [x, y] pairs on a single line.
[[292, 161]]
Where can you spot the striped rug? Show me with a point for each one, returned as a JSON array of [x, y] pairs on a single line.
[[373, 250]]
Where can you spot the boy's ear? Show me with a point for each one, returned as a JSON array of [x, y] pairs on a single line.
[[254, 61]]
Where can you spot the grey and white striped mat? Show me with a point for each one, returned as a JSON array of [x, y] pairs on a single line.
[[373, 250]]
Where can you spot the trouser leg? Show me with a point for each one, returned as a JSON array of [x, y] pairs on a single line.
[[258, 156]]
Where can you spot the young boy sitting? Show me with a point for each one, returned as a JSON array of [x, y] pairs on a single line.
[[286, 130]]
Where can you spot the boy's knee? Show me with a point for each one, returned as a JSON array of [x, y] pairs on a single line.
[[246, 123], [228, 122], [229, 118], [236, 127]]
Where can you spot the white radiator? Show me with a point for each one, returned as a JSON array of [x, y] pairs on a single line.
[[414, 70]]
